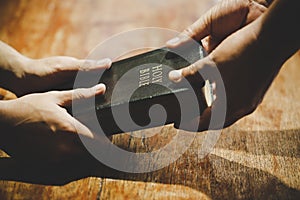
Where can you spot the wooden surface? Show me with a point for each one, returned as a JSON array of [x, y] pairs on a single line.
[[257, 158]]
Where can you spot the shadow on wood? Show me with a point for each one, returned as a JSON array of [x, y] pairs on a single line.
[[214, 174]]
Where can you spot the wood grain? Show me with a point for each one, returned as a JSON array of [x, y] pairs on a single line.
[[257, 158]]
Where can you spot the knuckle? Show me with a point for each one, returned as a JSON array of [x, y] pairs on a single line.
[[62, 63], [252, 106], [193, 69], [83, 93], [63, 110], [58, 67], [53, 93], [86, 65], [229, 123], [83, 65], [68, 127], [78, 95], [247, 108], [189, 31]]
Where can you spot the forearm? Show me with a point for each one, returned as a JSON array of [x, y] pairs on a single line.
[[279, 36]]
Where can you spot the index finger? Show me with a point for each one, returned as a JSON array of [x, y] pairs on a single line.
[[65, 98], [197, 31]]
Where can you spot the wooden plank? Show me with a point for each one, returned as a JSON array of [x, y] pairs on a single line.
[[257, 158]]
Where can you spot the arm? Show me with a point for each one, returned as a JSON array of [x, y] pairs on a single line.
[[248, 60], [278, 28]]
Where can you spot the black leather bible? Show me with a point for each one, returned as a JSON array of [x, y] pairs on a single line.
[[135, 84]]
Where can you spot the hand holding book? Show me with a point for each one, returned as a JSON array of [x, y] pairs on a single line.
[[248, 43]]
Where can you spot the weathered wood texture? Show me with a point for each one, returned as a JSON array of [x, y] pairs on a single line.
[[257, 158]]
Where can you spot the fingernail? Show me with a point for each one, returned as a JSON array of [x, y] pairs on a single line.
[[214, 97], [173, 41], [175, 75], [106, 61], [89, 135], [213, 86], [100, 88], [204, 43]]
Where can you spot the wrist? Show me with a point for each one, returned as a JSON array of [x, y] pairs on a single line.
[[11, 60], [13, 67], [17, 65], [13, 72]]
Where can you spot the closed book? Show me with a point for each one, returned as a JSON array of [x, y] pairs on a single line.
[[140, 95]]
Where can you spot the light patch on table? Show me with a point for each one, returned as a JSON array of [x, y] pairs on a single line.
[[272, 164], [118, 189]]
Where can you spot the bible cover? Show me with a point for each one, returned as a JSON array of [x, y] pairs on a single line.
[[135, 84]]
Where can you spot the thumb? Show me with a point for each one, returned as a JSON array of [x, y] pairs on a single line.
[[201, 122], [210, 119], [65, 98]]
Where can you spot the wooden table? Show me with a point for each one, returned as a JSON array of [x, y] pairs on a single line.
[[257, 158]]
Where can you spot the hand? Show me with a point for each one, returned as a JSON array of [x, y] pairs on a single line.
[[22, 75], [37, 126], [220, 21], [245, 72]]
